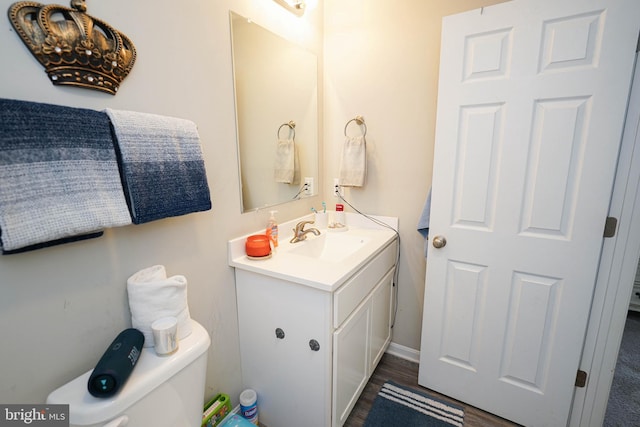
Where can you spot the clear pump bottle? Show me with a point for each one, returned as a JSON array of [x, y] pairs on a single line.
[[272, 229]]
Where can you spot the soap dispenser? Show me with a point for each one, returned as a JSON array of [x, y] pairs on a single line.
[[272, 228]]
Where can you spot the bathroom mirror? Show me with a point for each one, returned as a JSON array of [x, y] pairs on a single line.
[[276, 82]]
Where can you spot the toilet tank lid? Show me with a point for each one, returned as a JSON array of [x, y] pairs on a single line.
[[150, 371]]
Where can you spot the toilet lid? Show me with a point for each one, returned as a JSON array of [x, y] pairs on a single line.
[[150, 371]]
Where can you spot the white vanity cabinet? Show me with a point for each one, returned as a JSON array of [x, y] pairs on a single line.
[[358, 345], [308, 351]]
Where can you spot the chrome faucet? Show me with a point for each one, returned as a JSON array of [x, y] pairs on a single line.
[[300, 234]]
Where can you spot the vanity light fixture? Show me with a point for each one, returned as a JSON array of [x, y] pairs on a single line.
[[294, 6]]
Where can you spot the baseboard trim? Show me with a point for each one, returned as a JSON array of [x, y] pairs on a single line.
[[404, 352]]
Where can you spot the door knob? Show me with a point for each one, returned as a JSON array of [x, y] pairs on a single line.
[[439, 242]]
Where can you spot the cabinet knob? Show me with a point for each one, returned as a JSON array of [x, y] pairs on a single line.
[[279, 333], [314, 345]]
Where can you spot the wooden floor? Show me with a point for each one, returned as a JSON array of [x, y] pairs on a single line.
[[405, 373]]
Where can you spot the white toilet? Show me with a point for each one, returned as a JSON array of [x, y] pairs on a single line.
[[162, 391]]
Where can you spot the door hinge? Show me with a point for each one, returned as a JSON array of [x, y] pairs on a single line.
[[581, 379], [610, 226]]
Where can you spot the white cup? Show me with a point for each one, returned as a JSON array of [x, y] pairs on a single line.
[[321, 219], [165, 335]]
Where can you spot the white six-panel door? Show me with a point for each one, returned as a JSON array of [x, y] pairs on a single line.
[[531, 106]]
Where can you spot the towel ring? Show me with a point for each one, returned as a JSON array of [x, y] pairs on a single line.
[[359, 121], [292, 128]]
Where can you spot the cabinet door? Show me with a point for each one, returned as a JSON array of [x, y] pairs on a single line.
[[350, 362], [293, 381], [381, 319]]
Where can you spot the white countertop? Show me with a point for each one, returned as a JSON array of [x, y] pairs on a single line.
[[323, 274]]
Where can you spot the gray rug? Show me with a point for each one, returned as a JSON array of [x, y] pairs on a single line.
[[398, 406], [623, 408]]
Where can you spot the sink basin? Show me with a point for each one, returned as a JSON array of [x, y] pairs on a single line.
[[332, 247], [322, 262]]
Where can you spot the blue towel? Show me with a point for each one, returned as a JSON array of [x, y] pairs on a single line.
[[58, 173], [423, 222], [54, 243], [161, 163]]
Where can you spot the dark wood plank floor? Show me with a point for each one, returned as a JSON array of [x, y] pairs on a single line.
[[405, 373]]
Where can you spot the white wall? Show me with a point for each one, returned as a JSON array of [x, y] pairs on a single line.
[[60, 307], [381, 62]]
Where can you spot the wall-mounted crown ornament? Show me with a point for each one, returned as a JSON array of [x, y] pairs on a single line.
[[75, 48]]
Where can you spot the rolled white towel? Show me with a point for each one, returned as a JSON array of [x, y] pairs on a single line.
[[153, 295]]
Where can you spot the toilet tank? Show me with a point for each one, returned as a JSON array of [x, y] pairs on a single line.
[[162, 391]]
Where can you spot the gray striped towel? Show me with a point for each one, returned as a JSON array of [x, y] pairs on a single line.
[[162, 165], [58, 174]]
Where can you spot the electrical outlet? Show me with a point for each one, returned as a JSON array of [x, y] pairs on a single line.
[[337, 190], [309, 190]]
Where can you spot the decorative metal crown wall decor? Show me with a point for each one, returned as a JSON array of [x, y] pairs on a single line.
[[77, 50]]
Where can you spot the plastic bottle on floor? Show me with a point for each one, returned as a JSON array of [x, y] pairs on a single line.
[[249, 405]]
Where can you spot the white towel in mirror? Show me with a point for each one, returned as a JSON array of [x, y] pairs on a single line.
[[286, 163]]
